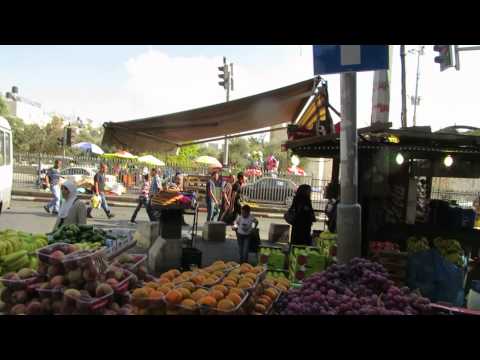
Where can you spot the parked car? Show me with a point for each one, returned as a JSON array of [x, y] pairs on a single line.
[[270, 190], [81, 175], [280, 191]]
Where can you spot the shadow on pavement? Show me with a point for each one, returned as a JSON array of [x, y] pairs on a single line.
[[35, 213]]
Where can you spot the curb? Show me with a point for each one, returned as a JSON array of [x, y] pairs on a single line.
[[131, 205]]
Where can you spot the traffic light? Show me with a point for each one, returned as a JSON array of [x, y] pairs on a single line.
[[445, 56], [224, 76]]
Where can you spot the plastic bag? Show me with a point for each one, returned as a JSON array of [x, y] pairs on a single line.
[[436, 278], [96, 201]]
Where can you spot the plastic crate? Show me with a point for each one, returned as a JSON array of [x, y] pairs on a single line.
[[54, 294], [21, 284], [237, 310], [124, 285], [44, 254], [85, 305], [139, 260]]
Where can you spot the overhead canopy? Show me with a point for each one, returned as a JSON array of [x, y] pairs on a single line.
[[164, 133]]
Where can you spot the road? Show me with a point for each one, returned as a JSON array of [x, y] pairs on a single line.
[[31, 217]]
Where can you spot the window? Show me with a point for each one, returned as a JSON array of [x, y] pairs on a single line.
[[8, 149], [2, 148]]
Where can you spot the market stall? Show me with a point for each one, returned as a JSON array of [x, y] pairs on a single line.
[[396, 168]]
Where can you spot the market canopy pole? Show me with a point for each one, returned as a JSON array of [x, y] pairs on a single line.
[[349, 211]]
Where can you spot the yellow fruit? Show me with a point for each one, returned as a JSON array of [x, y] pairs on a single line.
[[221, 288], [189, 303], [208, 301], [188, 285], [218, 295], [235, 298], [239, 292], [229, 283], [174, 297], [260, 308], [225, 304], [271, 293], [185, 293], [198, 294], [251, 276]]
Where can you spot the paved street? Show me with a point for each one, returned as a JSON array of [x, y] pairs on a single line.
[[31, 217]]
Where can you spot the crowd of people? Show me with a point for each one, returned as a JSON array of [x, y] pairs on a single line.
[[223, 201]]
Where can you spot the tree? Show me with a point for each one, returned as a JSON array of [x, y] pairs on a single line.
[[3, 107]]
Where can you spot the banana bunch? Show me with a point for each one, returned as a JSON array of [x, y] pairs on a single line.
[[417, 244], [451, 250], [14, 261]]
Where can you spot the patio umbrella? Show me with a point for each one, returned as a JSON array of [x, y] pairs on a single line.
[[88, 147], [209, 160], [120, 155], [151, 160]]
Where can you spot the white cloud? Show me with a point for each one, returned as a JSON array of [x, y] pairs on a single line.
[[156, 83]]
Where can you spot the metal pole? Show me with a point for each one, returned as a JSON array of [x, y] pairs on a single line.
[[227, 82], [349, 211], [416, 88], [404, 87]]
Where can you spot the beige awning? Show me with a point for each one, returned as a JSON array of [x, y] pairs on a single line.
[[164, 133]]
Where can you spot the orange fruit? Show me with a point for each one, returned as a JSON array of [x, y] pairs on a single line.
[[163, 280], [156, 295], [208, 301], [189, 303], [260, 308], [199, 279], [175, 272], [188, 285], [221, 288], [186, 294], [235, 298], [264, 301], [218, 295], [239, 292], [198, 294], [251, 276], [229, 283], [271, 293], [164, 289], [225, 304], [174, 297]]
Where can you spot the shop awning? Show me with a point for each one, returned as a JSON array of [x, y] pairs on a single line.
[[164, 133]]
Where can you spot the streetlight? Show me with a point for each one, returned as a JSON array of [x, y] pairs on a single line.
[[416, 99]]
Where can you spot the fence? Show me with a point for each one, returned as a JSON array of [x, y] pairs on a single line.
[[280, 189], [27, 169], [463, 192]]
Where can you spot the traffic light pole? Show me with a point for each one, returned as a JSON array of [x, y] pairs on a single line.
[[349, 211], [225, 146]]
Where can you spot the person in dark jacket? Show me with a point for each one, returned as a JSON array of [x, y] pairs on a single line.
[[304, 216]]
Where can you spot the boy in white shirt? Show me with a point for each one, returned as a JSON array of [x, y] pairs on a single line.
[[244, 225]]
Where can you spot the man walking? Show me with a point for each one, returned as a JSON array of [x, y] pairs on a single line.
[[212, 201], [99, 190], [52, 181]]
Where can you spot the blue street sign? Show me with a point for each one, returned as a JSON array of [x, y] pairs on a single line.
[[334, 59]]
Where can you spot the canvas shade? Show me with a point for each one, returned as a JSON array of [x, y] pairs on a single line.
[[166, 132]]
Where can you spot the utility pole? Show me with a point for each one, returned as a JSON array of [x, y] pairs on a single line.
[[227, 84], [404, 87], [349, 211], [419, 53]]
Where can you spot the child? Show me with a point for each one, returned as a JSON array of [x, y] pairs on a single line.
[[244, 227], [143, 198]]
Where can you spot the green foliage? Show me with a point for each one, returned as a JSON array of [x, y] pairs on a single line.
[[3, 107]]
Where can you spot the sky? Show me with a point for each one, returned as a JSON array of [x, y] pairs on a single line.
[[118, 83]]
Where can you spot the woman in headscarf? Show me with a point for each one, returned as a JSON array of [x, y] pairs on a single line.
[[72, 211], [304, 216]]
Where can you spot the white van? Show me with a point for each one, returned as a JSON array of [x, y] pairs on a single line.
[[6, 164]]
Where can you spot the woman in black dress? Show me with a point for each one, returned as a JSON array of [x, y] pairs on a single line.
[[304, 217]]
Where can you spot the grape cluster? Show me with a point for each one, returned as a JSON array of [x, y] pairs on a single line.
[[360, 287]]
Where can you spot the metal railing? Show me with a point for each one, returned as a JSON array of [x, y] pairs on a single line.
[[27, 169]]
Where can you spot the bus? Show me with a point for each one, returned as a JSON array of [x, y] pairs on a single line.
[[6, 164]]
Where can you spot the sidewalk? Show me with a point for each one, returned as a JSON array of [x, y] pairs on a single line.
[[130, 201]]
